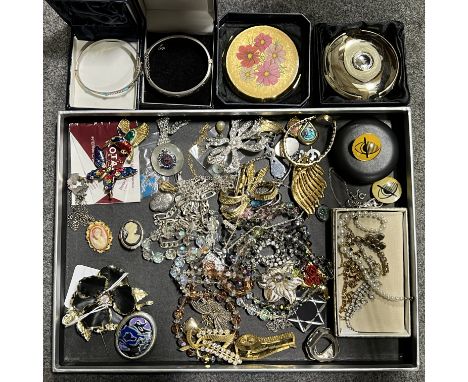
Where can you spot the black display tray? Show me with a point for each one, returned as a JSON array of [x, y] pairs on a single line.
[[72, 354]]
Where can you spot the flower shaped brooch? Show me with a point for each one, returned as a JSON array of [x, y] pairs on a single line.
[[280, 282], [100, 302], [242, 136]]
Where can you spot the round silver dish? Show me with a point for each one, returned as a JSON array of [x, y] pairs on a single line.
[[361, 65]]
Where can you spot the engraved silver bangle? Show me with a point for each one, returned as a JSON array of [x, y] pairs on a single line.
[[108, 93], [181, 93]]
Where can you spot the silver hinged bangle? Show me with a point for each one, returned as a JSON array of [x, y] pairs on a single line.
[[109, 93], [181, 93]]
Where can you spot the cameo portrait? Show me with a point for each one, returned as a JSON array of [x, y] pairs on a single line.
[[99, 236], [131, 234]]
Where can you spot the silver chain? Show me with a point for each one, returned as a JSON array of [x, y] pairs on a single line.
[[79, 215]]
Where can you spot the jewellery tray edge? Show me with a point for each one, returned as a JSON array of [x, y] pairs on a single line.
[[260, 367]]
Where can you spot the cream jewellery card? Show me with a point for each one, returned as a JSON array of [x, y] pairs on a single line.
[[84, 137], [80, 272], [379, 317]]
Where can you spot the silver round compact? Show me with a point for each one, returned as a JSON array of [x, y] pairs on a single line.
[[361, 65], [135, 336], [131, 234], [167, 159]]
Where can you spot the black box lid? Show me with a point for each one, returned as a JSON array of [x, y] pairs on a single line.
[[97, 19]]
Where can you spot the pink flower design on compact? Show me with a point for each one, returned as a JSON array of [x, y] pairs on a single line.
[[262, 41], [265, 66], [248, 56], [268, 74], [248, 74], [275, 53], [262, 62]]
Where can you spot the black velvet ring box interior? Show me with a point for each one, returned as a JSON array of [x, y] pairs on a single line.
[[323, 34], [195, 18], [189, 57], [295, 25]]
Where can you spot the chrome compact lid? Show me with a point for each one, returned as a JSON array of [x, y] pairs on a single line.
[[361, 65]]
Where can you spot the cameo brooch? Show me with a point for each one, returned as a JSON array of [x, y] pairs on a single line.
[[99, 236], [131, 234]]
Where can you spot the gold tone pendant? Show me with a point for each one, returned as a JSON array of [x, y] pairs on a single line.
[[251, 347], [262, 63], [99, 236], [308, 186]]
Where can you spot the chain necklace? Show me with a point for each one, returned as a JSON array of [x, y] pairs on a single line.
[[360, 271], [79, 215], [280, 273], [355, 200]]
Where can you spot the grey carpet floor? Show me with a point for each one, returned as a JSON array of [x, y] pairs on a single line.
[[410, 12]]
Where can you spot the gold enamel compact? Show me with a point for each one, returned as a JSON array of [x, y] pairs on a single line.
[[361, 65], [262, 63]]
